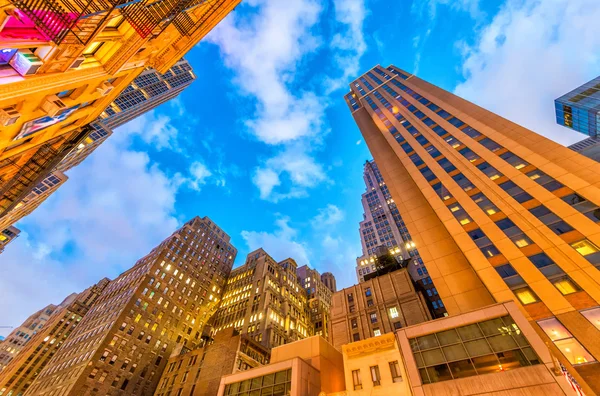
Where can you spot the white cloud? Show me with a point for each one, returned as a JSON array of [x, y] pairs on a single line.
[[348, 43], [199, 175], [358, 142], [267, 49], [328, 216], [116, 206], [152, 128], [280, 244], [531, 53], [294, 163]]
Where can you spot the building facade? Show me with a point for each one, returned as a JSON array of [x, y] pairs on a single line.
[[319, 299], [264, 300], [590, 147], [19, 337], [497, 211], [383, 232], [308, 367], [329, 280], [64, 62], [164, 301], [377, 306], [18, 375], [8, 235], [198, 372], [36, 196], [580, 108]]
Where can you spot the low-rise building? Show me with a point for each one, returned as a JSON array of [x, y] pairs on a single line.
[[380, 305]]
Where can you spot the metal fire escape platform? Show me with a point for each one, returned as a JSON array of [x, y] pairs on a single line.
[[36, 169]]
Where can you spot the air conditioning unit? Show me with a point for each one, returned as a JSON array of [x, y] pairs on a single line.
[[77, 62], [9, 116], [53, 106], [25, 62], [105, 88]]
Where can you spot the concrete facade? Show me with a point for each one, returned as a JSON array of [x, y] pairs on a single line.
[[22, 370], [8, 235], [163, 302], [375, 307], [319, 300], [496, 211], [264, 300]]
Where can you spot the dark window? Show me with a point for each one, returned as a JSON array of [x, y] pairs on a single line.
[[416, 160], [447, 165], [540, 211], [469, 154], [490, 144], [541, 260], [560, 227], [407, 148], [440, 131], [422, 140], [506, 270], [505, 224], [472, 132], [429, 175], [463, 182], [476, 234]]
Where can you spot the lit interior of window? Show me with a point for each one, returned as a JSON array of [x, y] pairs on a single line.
[[574, 352], [584, 247], [465, 221], [522, 242], [565, 286], [491, 211], [494, 177], [526, 296], [593, 315]]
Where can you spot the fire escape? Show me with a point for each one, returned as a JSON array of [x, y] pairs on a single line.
[[36, 169]]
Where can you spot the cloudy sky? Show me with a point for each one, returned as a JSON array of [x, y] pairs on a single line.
[[264, 145]]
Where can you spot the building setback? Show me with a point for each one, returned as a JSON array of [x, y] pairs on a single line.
[[319, 299], [162, 302], [497, 211], [377, 306], [383, 232], [580, 108], [18, 375]]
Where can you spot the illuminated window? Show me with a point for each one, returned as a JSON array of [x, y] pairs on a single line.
[[564, 340], [92, 48], [593, 315], [394, 312], [526, 295], [376, 332], [115, 22], [522, 241], [584, 247], [565, 286]]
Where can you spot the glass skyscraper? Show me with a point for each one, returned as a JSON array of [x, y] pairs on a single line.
[[580, 108], [496, 211]]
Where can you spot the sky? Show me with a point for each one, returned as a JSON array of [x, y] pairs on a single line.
[[263, 143]]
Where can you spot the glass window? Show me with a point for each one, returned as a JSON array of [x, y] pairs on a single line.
[[564, 340], [393, 312], [526, 295], [585, 247], [469, 154], [375, 375], [593, 315], [544, 180], [356, 379], [514, 160], [463, 182], [489, 170], [565, 285], [373, 317], [490, 144], [92, 48], [485, 204], [395, 371], [376, 332]]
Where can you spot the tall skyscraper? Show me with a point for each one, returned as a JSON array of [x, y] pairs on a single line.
[[8, 235], [383, 231], [496, 211], [22, 370], [63, 62], [580, 108], [264, 305], [590, 147], [265, 300], [162, 302], [36, 196]]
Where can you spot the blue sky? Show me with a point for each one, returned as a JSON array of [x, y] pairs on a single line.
[[263, 143]]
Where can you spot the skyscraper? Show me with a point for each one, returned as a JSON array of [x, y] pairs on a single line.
[[22, 370], [319, 299], [264, 305], [162, 302], [496, 211], [580, 108], [329, 280], [147, 91], [63, 62], [383, 231]]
